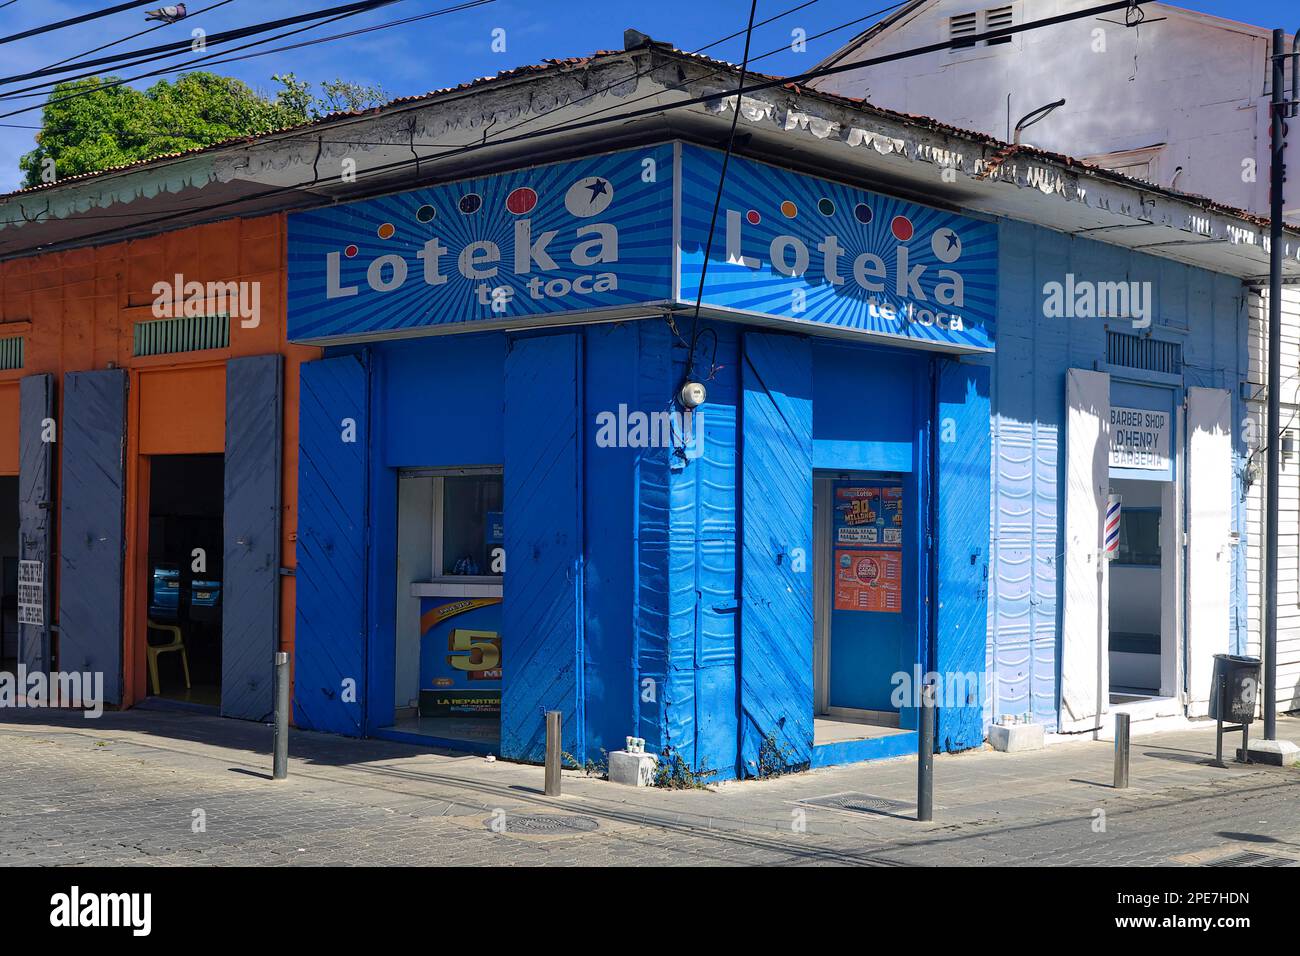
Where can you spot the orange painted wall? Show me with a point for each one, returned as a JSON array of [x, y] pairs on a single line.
[[9, 428], [77, 310]]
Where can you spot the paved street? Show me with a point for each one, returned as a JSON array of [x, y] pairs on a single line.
[[158, 788]]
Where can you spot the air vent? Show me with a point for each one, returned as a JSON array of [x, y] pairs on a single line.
[[184, 334], [1149, 355], [996, 19], [963, 25], [11, 352]]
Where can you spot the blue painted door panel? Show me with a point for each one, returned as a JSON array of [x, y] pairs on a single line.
[[329, 634], [250, 619], [35, 506], [962, 562], [776, 626], [541, 610], [91, 525]]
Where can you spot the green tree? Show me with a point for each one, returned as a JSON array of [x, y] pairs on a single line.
[[92, 124]]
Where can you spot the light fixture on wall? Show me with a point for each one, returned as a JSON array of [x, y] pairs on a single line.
[[1288, 445]]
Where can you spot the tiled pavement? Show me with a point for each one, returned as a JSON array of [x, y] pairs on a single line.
[[132, 788]]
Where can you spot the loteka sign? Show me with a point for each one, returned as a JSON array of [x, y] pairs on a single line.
[[583, 236], [607, 234], [814, 251]]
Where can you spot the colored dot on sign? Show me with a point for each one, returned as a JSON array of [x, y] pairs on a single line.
[[753, 217], [470, 203], [350, 251], [862, 212], [789, 209], [386, 230], [826, 207], [425, 213], [901, 228], [521, 200]]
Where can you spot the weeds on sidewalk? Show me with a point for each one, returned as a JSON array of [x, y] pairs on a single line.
[[774, 760], [674, 773], [590, 768]]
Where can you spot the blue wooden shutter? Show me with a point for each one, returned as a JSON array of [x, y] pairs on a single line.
[[91, 526], [962, 559], [250, 618], [329, 636], [36, 506], [540, 634], [776, 642]]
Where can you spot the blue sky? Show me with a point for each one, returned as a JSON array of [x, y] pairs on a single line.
[[446, 50]]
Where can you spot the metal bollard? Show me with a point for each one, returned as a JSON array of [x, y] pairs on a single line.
[[281, 739], [1121, 750], [553, 742], [925, 757]]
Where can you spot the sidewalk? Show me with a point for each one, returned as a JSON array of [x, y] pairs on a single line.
[[127, 788]]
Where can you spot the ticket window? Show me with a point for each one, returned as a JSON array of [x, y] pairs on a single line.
[[451, 562], [863, 617]]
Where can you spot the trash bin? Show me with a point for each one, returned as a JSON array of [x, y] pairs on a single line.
[[1241, 675]]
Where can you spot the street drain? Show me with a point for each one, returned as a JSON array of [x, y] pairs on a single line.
[[1251, 858], [860, 803], [541, 824]]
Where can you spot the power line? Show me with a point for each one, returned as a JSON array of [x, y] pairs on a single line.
[[586, 96], [204, 60], [717, 198], [634, 114], [180, 46], [222, 3], [94, 15]]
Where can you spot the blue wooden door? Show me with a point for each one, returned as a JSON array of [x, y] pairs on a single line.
[[36, 506], [91, 526], [540, 632], [329, 636], [962, 550], [250, 618], [776, 624]]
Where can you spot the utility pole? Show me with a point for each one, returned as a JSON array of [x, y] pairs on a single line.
[[1277, 173]]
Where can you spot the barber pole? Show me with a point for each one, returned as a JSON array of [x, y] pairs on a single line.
[[1112, 526]]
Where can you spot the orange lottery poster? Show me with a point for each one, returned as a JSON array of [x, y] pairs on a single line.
[[869, 581]]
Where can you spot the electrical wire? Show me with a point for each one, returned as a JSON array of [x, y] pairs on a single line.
[[635, 114], [71, 21], [717, 198], [586, 96], [132, 36], [180, 46]]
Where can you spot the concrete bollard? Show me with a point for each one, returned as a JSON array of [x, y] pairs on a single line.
[[280, 747], [553, 743]]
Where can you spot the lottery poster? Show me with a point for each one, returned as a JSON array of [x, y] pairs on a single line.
[[868, 540], [460, 657]]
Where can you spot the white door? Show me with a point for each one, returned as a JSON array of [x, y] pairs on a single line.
[[1209, 529], [1085, 677]]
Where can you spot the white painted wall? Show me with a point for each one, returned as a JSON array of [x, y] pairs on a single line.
[[1195, 83], [1288, 610]]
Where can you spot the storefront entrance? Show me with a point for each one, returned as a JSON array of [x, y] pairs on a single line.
[[450, 566], [185, 578], [865, 592], [1142, 588]]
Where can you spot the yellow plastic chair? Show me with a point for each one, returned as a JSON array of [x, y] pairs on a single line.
[[177, 644]]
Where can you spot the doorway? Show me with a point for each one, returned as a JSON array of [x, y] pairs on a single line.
[[864, 626], [1141, 588], [450, 569], [184, 579]]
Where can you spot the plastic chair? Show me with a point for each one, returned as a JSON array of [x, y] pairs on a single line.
[[153, 650]]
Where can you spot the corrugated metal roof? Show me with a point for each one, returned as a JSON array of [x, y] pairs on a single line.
[[551, 66]]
